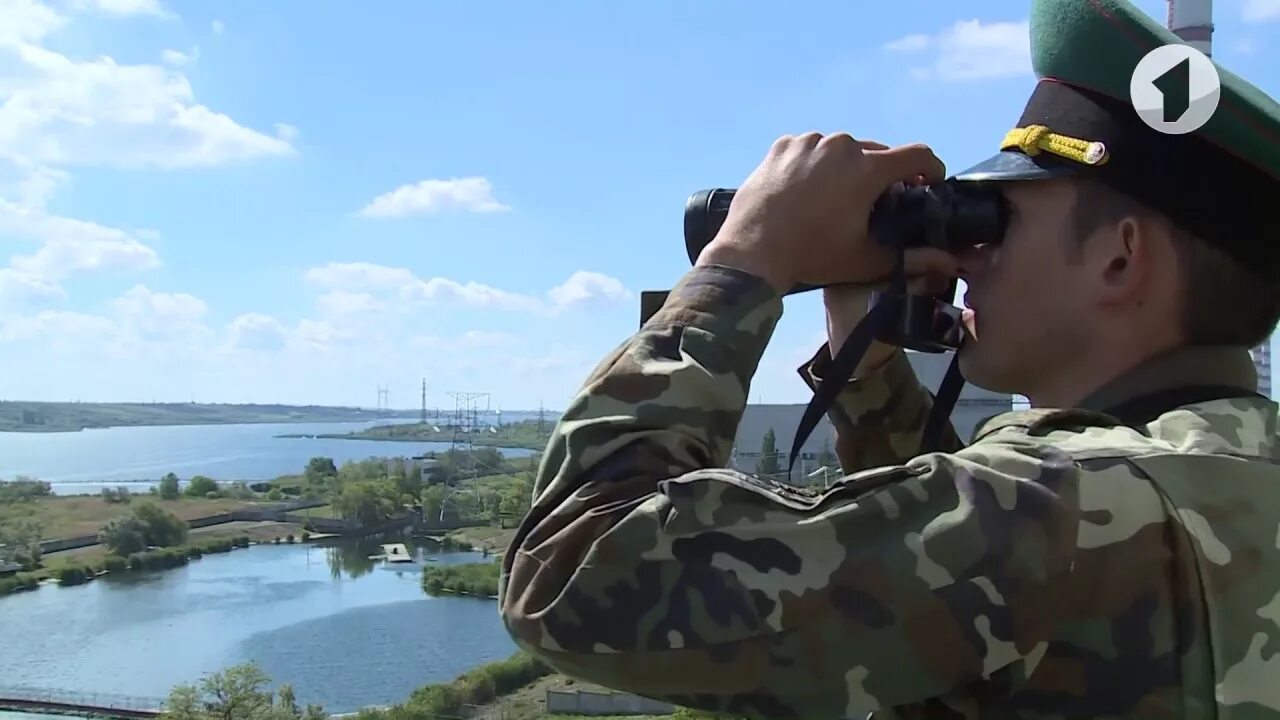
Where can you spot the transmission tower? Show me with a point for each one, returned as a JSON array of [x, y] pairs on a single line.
[[383, 400], [466, 407], [424, 401]]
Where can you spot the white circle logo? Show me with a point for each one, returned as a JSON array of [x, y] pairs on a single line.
[[1175, 89]]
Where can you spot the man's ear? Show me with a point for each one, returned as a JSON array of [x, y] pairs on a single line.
[[1121, 259]]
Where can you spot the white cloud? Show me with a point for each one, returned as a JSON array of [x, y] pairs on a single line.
[[359, 276], [470, 194], [585, 286], [582, 287], [175, 57], [970, 50], [217, 27], [59, 112], [69, 246], [1259, 11], [908, 43], [18, 290], [62, 111], [122, 8], [255, 331], [159, 310], [472, 339], [345, 303]]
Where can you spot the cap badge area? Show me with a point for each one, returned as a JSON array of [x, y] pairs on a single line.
[[1034, 139]]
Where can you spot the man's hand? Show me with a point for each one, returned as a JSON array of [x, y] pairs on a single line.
[[801, 216]]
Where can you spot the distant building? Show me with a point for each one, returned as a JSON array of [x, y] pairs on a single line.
[[974, 406], [1262, 363]]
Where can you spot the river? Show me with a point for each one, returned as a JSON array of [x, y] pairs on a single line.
[[84, 462], [345, 631]]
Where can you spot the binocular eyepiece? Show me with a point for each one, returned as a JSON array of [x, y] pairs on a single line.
[[949, 215]]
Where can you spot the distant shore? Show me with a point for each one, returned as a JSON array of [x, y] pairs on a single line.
[[527, 434], [50, 417]]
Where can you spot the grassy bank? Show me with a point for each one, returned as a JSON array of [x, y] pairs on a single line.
[[476, 579], [78, 573], [459, 698], [493, 539], [65, 516], [23, 416]]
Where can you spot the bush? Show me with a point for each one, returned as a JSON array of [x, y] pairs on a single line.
[[115, 564], [477, 687], [18, 583], [470, 579], [73, 575]]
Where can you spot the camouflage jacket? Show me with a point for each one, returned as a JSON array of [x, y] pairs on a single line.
[[1059, 566]]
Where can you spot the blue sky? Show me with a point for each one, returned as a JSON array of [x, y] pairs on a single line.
[[297, 202]]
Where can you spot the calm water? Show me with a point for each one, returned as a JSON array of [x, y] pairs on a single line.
[[345, 631], [86, 461]]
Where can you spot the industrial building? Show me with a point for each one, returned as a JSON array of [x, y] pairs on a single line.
[[974, 406]]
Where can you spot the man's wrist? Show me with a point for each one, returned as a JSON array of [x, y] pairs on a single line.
[[740, 256]]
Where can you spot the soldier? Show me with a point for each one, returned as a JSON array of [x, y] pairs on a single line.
[[1113, 552]]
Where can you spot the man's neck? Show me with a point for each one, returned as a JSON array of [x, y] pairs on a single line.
[[1099, 388], [1097, 362]]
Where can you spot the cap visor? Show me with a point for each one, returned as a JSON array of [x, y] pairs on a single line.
[[1014, 166]]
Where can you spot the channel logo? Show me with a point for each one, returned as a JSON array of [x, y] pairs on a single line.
[[1175, 89]]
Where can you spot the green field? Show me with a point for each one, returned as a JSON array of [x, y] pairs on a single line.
[[23, 416], [65, 516]]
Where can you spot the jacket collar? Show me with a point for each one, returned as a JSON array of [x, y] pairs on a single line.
[[1197, 365], [1192, 366]]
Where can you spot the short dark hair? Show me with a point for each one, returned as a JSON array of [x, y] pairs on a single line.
[[1222, 302]]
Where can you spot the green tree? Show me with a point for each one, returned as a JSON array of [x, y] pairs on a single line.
[[169, 489], [20, 542], [432, 501], [768, 464], [147, 525], [320, 469], [241, 692], [119, 494], [287, 702], [23, 488], [123, 536], [368, 502], [161, 528], [201, 486]]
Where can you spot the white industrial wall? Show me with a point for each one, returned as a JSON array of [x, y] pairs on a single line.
[[974, 406]]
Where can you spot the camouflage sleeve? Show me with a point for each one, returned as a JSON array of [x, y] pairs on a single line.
[[879, 417], [646, 566]]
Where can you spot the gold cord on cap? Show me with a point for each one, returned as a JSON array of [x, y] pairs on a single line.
[[1034, 139]]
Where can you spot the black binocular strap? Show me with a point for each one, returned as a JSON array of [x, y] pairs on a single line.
[[845, 362]]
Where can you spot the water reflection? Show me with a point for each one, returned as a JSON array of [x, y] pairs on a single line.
[[345, 630], [357, 558]]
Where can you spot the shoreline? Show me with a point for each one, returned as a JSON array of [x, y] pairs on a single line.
[[511, 445], [43, 430]]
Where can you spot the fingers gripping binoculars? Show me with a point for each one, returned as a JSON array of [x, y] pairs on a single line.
[[949, 215]]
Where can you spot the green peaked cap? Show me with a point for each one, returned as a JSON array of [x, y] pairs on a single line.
[[1221, 181], [1096, 44]]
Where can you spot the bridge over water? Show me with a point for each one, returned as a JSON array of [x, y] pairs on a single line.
[[103, 705]]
